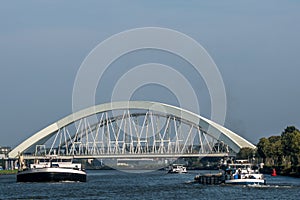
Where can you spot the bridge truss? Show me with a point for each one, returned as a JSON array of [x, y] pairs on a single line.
[[134, 129], [132, 133]]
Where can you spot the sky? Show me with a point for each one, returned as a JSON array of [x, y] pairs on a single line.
[[255, 45]]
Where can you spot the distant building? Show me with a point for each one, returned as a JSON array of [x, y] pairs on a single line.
[[4, 150], [4, 163]]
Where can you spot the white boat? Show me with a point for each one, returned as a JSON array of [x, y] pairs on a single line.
[[177, 168], [242, 172], [52, 170]]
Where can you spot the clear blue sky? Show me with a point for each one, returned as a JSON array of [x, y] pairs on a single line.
[[255, 44]]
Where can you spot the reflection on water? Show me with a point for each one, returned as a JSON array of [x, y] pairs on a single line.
[[112, 184]]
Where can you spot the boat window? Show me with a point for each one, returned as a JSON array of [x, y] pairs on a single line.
[[55, 165], [66, 160]]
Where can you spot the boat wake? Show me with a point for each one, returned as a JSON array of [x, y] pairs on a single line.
[[268, 186]]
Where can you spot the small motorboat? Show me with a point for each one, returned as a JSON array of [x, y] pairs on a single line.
[[177, 169], [242, 172], [52, 170]]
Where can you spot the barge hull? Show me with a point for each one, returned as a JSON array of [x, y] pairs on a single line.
[[50, 177]]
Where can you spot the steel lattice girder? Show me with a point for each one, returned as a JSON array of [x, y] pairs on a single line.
[[233, 140]]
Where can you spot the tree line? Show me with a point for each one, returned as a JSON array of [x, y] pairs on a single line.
[[281, 152]]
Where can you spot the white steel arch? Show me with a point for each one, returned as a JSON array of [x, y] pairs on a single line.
[[233, 140]]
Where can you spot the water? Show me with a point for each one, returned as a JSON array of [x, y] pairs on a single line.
[[112, 184]]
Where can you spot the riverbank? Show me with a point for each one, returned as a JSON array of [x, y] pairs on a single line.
[[281, 171], [7, 172]]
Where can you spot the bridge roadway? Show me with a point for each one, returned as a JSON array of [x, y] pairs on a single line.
[[132, 156]]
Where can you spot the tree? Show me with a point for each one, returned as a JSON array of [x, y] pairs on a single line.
[[245, 153], [290, 139], [263, 147], [275, 150]]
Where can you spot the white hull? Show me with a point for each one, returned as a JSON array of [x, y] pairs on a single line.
[[245, 181], [53, 170], [177, 172]]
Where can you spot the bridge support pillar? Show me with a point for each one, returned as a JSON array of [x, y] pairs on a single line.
[[10, 164]]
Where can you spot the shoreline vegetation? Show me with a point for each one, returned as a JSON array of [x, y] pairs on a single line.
[[8, 172], [281, 152]]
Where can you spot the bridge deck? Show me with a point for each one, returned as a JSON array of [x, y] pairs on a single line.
[[136, 156]]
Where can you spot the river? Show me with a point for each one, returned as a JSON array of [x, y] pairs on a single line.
[[113, 184]]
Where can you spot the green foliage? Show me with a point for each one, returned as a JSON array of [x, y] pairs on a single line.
[[281, 150], [275, 150], [4, 172], [245, 153], [263, 148], [291, 144]]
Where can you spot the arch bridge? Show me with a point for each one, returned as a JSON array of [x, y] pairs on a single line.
[[130, 130]]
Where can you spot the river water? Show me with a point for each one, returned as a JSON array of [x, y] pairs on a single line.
[[113, 184]]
